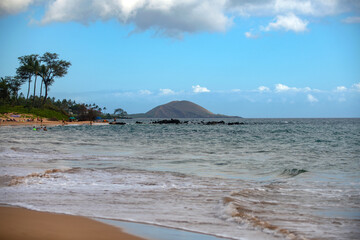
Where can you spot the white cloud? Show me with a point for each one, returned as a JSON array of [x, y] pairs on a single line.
[[350, 20], [264, 89], [283, 88], [168, 17], [356, 87], [123, 94], [316, 90], [166, 91], [289, 22], [341, 89], [311, 98], [198, 89], [14, 6], [251, 35], [145, 92], [303, 7], [249, 8], [236, 90], [175, 18]]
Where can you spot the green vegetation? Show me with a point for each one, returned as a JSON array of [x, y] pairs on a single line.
[[48, 67], [53, 109], [119, 112], [37, 112]]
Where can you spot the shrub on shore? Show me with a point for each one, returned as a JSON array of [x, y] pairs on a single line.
[[37, 112]]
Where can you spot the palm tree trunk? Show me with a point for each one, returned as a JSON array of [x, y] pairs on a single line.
[[45, 94], [41, 86], [34, 89], [28, 89]]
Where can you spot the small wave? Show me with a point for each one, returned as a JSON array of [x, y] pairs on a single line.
[[15, 149], [87, 144], [282, 131], [245, 215], [322, 141], [46, 174], [293, 172], [221, 163], [4, 180]]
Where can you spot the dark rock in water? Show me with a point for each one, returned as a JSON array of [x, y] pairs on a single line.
[[215, 123], [235, 123], [166, 121], [177, 121], [221, 164], [117, 123]]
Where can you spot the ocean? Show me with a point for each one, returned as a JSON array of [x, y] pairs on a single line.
[[264, 179]]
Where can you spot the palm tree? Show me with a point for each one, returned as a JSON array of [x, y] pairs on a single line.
[[27, 68], [35, 69], [43, 72], [54, 68]]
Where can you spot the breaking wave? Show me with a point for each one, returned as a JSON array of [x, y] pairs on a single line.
[[293, 172], [251, 217], [50, 173]]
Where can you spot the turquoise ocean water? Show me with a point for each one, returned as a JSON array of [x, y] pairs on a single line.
[[265, 179]]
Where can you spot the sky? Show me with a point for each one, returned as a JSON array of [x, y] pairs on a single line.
[[249, 58]]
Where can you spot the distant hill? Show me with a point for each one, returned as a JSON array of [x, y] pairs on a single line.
[[179, 109]]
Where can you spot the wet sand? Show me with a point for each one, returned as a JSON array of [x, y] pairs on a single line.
[[19, 223]]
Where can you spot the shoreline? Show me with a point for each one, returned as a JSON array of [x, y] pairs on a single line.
[[17, 223], [160, 232], [20, 223]]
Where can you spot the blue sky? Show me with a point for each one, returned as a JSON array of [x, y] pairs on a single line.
[[274, 58]]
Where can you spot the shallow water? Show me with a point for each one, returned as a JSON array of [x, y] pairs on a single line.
[[266, 179]]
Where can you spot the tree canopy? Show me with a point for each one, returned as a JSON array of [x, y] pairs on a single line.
[[9, 88], [27, 69], [52, 68], [120, 112], [48, 67]]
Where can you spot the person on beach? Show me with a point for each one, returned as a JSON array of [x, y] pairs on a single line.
[[45, 129]]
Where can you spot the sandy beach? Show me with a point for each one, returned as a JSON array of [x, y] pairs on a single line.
[[19, 223], [8, 119], [49, 123]]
